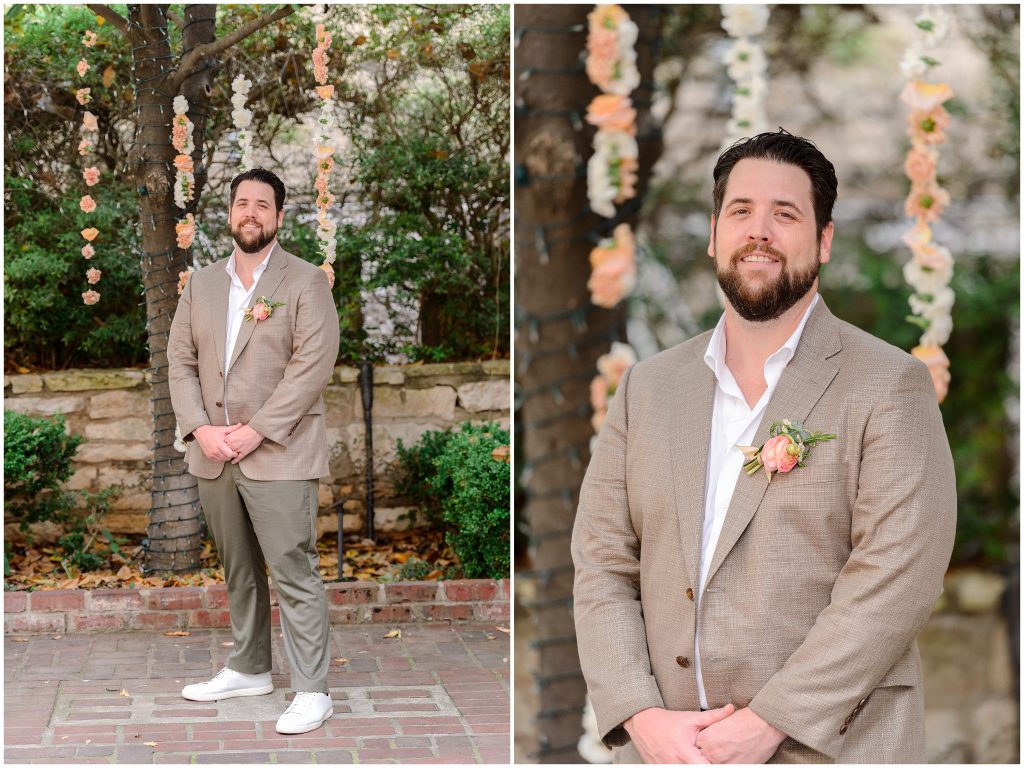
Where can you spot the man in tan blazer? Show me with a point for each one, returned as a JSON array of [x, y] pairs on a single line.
[[729, 618], [252, 347]]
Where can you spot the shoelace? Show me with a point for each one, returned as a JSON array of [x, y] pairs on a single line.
[[300, 703]]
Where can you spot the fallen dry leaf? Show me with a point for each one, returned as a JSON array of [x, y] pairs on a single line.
[[227, 644], [151, 743], [340, 661], [177, 633], [506, 630], [20, 640], [125, 693], [393, 633], [125, 573], [492, 637]]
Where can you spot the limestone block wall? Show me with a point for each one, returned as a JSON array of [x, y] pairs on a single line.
[[111, 409]]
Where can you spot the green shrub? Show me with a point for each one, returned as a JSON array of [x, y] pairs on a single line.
[[414, 570], [37, 459], [416, 469], [473, 489]]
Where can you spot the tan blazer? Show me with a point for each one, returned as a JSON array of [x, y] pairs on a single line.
[[278, 369], [820, 581]]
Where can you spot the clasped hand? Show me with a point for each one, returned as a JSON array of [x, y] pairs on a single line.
[[232, 443], [723, 735]]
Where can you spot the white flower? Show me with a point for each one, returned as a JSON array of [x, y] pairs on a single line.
[[938, 331], [241, 85], [913, 65], [180, 105], [744, 20], [745, 60], [615, 144], [600, 190], [941, 304], [755, 87], [746, 108], [241, 117], [927, 281], [932, 26]]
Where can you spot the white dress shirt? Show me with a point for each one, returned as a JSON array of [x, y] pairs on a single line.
[[732, 423], [239, 298]]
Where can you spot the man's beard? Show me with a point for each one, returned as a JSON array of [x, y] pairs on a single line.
[[768, 301], [253, 243]]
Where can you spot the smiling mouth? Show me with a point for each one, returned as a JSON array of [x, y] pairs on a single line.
[[759, 258]]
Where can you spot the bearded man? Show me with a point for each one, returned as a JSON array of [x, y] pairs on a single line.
[[252, 347], [768, 615]]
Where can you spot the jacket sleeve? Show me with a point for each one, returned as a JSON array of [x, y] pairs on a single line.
[[314, 351], [610, 631], [902, 529], [183, 369]]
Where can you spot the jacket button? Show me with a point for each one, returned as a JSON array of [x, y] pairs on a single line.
[[843, 730], [219, 405], [682, 661], [689, 593], [862, 702]]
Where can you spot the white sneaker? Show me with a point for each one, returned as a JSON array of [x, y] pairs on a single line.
[[307, 712], [227, 684]]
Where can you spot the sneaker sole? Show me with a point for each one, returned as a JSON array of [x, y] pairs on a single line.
[[230, 694], [328, 716]]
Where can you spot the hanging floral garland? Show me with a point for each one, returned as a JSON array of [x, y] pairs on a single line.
[[91, 173], [747, 65], [242, 118], [323, 151], [930, 268], [181, 138], [613, 168]]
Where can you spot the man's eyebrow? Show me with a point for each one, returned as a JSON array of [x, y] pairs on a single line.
[[774, 203]]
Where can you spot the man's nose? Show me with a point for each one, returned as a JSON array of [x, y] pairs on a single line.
[[759, 229]]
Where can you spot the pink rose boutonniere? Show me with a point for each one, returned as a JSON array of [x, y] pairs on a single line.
[[262, 309], [789, 445]]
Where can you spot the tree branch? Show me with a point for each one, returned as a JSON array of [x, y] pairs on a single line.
[[191, 62], [110, 15], [178, 21]]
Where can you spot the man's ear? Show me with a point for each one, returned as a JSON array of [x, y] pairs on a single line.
[[280, 218], [825, 251], [711, 241]]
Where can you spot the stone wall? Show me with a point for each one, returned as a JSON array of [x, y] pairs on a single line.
[[111, 409]]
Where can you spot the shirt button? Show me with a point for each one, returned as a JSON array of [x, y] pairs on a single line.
[[689, 593], [682, 661]]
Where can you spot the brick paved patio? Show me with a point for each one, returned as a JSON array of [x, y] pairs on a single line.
[[437, 694]]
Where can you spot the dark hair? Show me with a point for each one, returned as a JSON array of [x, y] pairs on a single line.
[[783, 147], [263, 176]]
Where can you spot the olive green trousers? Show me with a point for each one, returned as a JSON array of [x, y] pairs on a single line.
[[258, 524]]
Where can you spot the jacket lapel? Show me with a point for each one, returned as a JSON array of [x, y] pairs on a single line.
[[803, 382], [691, 425], [218, 304], [267, 284]]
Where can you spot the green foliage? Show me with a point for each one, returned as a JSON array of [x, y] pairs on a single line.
[[414, 570], [452, 475], [474, 492], [37, 459], [974, 412], [45, 320]]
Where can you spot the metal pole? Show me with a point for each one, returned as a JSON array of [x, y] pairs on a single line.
[[366, 388]]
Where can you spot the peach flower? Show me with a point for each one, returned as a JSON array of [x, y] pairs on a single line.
[[329, 271], [183, 279], [325, 91], [185, 231], [323, 151], [321, 184], [325, 200], [628, 171], [91, 176], [925, 96], [938, 366], [920, 165], [323, 37], [82, 94], [88, 251], [93, 275], [918, 237], [89, 121], [89, 39], [183, 163], [776, 455], [90, 234], [612, 365], [82, 67], [610, 112], [260, 312], [90, 297], [87, 204], [84, 147], [934, 257], [928, 126], [926, 202], [614, 268]]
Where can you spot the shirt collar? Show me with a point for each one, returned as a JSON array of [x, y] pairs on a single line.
[[714, 357], [230, 268]]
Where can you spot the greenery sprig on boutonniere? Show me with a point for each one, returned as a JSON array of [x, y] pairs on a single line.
[[789, 446], [262, 309]]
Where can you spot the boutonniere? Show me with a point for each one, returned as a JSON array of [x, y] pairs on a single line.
[[262, 309], [788, 447]]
